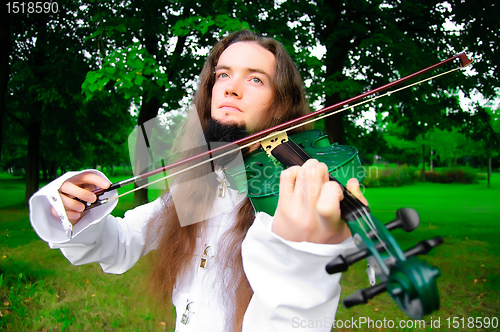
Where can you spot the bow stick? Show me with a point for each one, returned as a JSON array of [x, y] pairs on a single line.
[[245, 142]]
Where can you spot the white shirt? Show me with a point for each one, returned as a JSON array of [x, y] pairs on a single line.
[[290, 284]]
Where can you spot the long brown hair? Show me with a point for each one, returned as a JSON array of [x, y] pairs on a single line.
[[176, 244]]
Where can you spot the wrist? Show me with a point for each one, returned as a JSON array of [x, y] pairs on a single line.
[[340, 235]]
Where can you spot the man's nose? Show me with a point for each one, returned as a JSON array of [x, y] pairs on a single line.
[[234, 88]]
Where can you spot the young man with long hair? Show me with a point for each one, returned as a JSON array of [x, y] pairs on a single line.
[[235, 269]]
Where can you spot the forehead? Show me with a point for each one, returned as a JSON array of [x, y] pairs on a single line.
[[247, 55]]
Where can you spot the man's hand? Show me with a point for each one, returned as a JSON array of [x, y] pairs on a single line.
[[309, 205], [79, 186]]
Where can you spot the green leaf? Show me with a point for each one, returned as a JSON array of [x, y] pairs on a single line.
[[91, 78], [139, 64], [127, 84], [110, 70], [94, 86], [139, 79], [121, 28]]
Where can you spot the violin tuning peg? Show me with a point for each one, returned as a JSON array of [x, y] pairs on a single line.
[[341, 263], [356, 298], [406, 218], [336, 265], [361, 296], [423, 247]]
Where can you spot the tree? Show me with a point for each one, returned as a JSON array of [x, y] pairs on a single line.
[[149, 71], [5, 45], [484, 129], [369, 43], [47, 67]]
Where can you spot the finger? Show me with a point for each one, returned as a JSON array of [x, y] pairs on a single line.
[[71, 189], [73, 216], [353, 187], [287, 182], [53, 211], [90, 178], [310, 180], [328, 205], [71, 204]]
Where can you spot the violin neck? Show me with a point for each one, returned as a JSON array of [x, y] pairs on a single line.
[[291, 154]]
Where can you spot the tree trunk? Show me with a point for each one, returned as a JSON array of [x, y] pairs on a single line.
[[32, 169], [334, 124], [489, 170], [150, 106], [422, 172], [44, 169], [52, 170], [336, 55], [149, 110], [432, 160], [5, 45]]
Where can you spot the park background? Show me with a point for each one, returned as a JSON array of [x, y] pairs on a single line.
[[77, 77]]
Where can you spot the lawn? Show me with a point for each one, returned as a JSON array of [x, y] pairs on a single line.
[[41, 291]]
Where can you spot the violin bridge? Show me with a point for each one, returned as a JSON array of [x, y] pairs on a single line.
[[273, 140]]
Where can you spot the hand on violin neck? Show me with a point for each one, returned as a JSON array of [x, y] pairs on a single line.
[[309, 205]]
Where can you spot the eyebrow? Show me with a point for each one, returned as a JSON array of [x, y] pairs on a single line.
[[251, 70]]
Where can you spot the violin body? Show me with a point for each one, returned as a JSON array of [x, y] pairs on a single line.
[[409, 281]]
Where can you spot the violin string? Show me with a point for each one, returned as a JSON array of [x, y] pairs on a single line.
[[374, 230], [366, 217], [283, 131]]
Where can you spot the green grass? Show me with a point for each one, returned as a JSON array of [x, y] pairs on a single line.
[[41, 291], [467, 217]]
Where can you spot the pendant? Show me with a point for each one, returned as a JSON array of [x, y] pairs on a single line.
[[222, 189], [204, 258], [203, 263], [185, 315], [371, 275]]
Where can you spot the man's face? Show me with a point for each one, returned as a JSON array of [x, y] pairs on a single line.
[[243, 92]]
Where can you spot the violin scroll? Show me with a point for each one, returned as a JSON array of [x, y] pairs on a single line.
[[409, 281]]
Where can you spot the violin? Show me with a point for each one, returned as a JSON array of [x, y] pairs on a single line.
[[409, 281]]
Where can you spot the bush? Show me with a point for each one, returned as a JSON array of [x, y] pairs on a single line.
[[389, 177], [460, 175], [20, 172], [396, 176]]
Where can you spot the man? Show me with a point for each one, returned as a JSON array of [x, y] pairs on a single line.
[[235, 270]]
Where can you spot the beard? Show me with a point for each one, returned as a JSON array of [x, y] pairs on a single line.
[[217, 134], [221, 132]]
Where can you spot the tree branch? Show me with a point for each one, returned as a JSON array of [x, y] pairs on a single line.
[[17, 119]]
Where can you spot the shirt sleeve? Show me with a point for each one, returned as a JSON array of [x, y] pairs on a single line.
[[115, 243], [291, 287]]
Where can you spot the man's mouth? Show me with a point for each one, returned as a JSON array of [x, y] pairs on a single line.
[[229, 107]]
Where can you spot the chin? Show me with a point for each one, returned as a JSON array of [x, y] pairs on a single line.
[[227, 120]]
